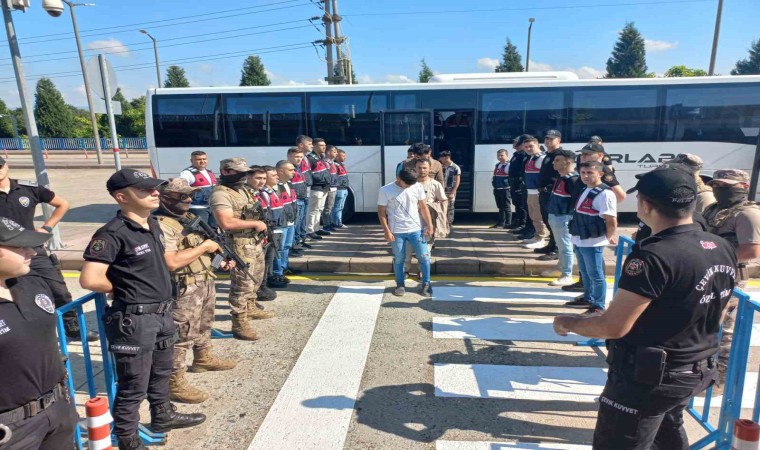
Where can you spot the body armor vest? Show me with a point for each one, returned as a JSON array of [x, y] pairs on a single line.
[[201, 267]]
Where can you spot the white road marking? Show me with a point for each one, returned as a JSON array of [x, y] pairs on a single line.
[[505, 294], [570, 384], [485, 445], [747, 397], [498, 329], [314, 407]]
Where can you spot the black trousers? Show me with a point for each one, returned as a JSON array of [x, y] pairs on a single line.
[[519, 199], [42, 266], [271, 253], [634, 416], [52, 429], [543, 202], [143, 347], [504, 204]]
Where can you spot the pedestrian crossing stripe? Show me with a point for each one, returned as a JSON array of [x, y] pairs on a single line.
[[485, 445], [505, 294], [748, 396], [498, 328]]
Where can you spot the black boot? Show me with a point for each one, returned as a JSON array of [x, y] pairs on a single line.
[[165, 417], [275, 282], [71, 326], [264, 294], [131, 443]]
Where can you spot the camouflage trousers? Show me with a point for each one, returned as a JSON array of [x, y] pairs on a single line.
[[727, 338], [193, 313], [243, 288]]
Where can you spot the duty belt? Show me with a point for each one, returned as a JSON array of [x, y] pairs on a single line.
[[623, 355], [193, 277], [699, 366], [143, 308], [34, 407]]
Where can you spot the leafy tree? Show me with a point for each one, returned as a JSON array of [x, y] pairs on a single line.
[[425, 72], [628, 58], [175, 77], [6, 123], [751, 65], [18, 113], [510, 59], [54, 117], [254, 73], [683, 71], [134, 118]]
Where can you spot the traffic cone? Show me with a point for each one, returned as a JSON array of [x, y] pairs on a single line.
[[746, 435], [98, 423]]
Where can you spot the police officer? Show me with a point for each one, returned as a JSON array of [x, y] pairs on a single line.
[[520, 225], [198, 175], [662, 326], [241, 216], [126, 258], [36, 411], [737, 220], [18, 201], [188, 255], [547, 176]]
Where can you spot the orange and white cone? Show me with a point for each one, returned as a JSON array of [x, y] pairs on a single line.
[[98, 423], [746, 435]]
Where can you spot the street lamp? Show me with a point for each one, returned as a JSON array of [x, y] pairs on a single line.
[[93, 118], [714, 53], [527, 54], [155, 52]]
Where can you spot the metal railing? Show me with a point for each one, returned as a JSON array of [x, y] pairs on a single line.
[[125, 143]]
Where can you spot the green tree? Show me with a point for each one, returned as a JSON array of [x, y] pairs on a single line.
[[54, 117], [18, 113], [426, 73], [6, 123], [510, 59], [751, 65], [628, 58], [254, 73], [683, 71], [135, 118], [175, 77]]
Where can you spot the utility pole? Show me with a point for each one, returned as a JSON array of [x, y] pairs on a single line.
[[31, 124], [716, 35], [339, 40], [527, 54], [327, 22], [88, 94]]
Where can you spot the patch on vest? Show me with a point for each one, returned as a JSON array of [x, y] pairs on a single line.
[[97, 246], [24, 200], [634, 267], [44, 302]]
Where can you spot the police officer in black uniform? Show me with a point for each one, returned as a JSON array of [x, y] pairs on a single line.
[[18, 202], [662, 326], [516, 174], [126, 258], [36, 411]]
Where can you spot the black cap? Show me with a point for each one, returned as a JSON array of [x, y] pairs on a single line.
[[594, 139], [669, 182], [593, 148], [132, 178], [553, 134], [14, 235]]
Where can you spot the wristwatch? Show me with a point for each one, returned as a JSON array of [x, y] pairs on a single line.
[[47, 228]]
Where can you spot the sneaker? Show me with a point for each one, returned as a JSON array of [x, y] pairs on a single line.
[[580, 303], [329, 228], [549, 257], [284, 278], [536, 244], [399, 291], [295, 253], [575, 287], [563, 281], [306, 245], [513, 226], [527, 237], [315, 236], [554, 273], [426, 290], [496, 225], [276, 282], [518, 230], [292, 271], [544, 250], [341, 227], [531, 240], [322, 233], [593, 310]]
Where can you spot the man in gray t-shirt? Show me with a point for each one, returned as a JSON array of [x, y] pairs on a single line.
[[400, 205]]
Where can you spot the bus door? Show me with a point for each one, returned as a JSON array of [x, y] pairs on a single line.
[[455, 132], [401, 129]]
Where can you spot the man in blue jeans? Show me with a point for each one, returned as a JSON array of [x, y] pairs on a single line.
[[560, 212], [401, 208], [342, 194], [593, 228]]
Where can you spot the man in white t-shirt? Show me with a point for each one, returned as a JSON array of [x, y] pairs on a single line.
[[198, 175], [592, 228], [401, 208]]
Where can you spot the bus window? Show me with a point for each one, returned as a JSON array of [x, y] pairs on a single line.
[[407, 128], [617, 114], [187, 121], [506, 115], [713, 113], [347, 119], [256, 120], [404, 101]]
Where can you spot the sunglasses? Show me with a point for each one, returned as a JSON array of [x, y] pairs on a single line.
[[181, 197]]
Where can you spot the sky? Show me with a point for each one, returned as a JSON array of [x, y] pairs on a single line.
[[387, 39]]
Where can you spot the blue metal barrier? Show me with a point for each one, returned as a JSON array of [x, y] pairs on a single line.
[[148, 437], [125, 143]]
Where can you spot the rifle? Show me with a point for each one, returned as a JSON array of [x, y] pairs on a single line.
[[227, 253]]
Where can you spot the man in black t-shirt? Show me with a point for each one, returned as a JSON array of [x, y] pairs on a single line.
[[662, 326]]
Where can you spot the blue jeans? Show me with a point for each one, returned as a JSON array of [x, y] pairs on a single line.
[[419, 244], [337, 211], [302, 205], [561, 232], [591, 267], [281, 263]]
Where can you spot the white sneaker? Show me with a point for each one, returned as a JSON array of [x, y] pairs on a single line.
[[563, 281], [538, 244], [531, 240], [551, 274]]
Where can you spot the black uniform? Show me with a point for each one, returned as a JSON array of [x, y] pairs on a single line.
[[19, 205], [689, 275], [34, 399], [138, 324], [517, 188], [548, 175]]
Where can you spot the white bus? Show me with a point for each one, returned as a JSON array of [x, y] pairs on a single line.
[[642, 121]]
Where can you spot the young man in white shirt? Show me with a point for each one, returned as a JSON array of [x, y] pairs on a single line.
[[400, 206], [593, 227]]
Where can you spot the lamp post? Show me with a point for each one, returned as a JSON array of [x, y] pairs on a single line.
[[714, 53], [93, 118], [155, 52], [527, 54]]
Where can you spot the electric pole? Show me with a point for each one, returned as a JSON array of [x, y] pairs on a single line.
[[338, 64], [338, 42], [327, 22]]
